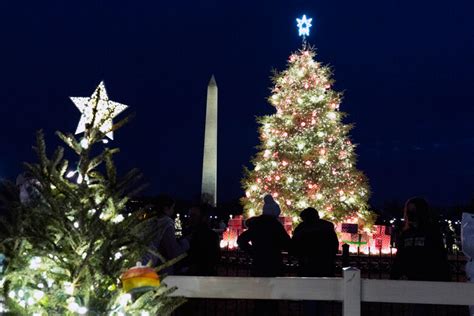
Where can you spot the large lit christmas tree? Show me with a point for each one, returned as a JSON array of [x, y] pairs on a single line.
[[306, 157], [68, 237]]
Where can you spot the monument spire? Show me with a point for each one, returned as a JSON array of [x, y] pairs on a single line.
[[209, 165]]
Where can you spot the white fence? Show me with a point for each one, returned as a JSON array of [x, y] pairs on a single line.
[[351, 290]]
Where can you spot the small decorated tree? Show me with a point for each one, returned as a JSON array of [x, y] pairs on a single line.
[[306, 157], [68, 237]]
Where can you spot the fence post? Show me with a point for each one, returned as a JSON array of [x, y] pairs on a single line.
[[351, 289], [345, 255]]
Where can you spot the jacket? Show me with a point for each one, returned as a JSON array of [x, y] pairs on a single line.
[[264, 240], [315, 245]]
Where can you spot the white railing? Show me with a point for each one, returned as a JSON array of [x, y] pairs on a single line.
[[351, 290]]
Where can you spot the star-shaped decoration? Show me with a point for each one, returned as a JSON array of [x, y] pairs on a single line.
[[105, 110], [303, 25]]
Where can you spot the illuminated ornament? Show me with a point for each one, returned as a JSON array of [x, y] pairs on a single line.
[[284, 163], [308, 162], [100, 106], [139, 278], [275, 194], [303, 25], [267, 153]]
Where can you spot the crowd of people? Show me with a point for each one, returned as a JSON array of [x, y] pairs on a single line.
[[421, 253]]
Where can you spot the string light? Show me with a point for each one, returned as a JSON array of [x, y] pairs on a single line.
[[68, 288], [35, 263], [117, 219], [84, 143], [70, 174]]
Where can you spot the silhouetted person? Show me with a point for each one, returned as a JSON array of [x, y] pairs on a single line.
[[161, 231], [264, 240], [204, 251], [420, 250], [315, 245]]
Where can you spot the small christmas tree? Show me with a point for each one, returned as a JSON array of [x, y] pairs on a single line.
[[178, 227], [306, 157], [68, 237]]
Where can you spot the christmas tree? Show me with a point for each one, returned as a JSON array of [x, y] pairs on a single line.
[[68, 236], [178, 227], [306, 158]]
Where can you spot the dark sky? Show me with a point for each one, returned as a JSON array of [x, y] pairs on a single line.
[[406, 68]]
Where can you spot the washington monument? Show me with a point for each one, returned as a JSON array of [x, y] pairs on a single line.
[[209, 165]]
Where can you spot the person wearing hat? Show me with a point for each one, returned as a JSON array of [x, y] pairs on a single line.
[[315, 245], [264, 240]]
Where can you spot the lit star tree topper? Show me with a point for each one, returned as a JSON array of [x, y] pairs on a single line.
[[303, 26], [98, 111]]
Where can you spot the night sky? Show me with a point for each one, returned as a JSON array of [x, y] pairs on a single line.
[[406, 68]]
